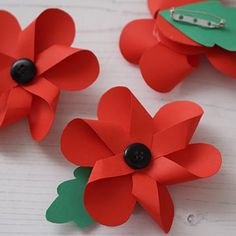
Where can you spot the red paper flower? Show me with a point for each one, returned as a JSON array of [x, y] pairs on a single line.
[[134, 156], [165, 55], [35, 64]]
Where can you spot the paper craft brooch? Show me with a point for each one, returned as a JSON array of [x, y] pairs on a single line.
[[167, 48], [35, 64], [128, 157]]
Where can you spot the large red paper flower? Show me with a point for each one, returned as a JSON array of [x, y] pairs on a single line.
[[165, 55], [35, 64], [134, 156]]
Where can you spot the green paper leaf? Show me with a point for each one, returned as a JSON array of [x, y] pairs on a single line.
[[223, 37], [69, 205]]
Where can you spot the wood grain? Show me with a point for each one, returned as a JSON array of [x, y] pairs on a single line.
[[30, 172]]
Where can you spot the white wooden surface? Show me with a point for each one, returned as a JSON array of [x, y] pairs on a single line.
[[30, 172]]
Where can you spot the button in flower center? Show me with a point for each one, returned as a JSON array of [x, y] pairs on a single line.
[[23, 71], [137, 156]]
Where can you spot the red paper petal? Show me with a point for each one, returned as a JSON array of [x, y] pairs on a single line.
[[9, 31], [181, 48], [155, 199], [157, 5], [119, 106], [136, 37], [81, 144], [175, 125], [163, 69], [168, 31], [6, 81], [115, 138], [43, 107], [53, 26], [68, 68], [110, 201], [114, 166], [5, 61], [14, 105], [194, 162], [175, 113], [223, 60]]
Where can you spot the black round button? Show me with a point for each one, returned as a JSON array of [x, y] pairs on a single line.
[[137, 156], [23, 71]]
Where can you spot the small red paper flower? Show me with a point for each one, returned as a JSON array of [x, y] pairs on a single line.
[[134, 156], [165, 55], [35, 64]]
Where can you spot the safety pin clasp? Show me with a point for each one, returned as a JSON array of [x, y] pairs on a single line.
[[193, 18]]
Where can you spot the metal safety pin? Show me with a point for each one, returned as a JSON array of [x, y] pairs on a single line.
[[187, 16]]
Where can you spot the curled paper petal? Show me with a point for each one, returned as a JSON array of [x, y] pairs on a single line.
[[223, 60], [110, 167], [182, 48], [68, 68], [5, 61], [46, 31], [156, 69], [194, 162], [110, 202], [9, 31], [178, 112], [6, 82], [176, 39], [112, 135], [77, 149], [173, 139], [175, 125], [129, 114], [43, 107], [155, 199], [156, 5], [200, 153], [136, 37], [15, 105], [41, 117]]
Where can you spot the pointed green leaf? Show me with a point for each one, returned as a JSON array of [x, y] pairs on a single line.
[[223, 37], [69, 205]]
